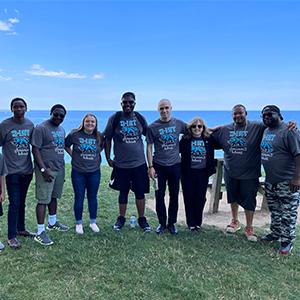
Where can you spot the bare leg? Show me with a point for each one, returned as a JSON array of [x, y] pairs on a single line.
[[234, 211], [249, 217], [140, 205], [52, 206], [40, 213], [122, 209]]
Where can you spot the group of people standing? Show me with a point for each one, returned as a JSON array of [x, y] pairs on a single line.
[[176, 151]]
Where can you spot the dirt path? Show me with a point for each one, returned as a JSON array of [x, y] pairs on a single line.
[[223, 217]]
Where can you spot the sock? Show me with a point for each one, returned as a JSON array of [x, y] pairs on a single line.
[[41, 228], [52, 219]]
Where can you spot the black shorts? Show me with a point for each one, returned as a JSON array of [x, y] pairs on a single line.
[[242, 191], [135, 179]]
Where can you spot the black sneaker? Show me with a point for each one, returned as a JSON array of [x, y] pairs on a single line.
[[119, 223], [285, 248], [142, 221], [57, 226], [172, 229], [269, 238], [43, 239], [160, 229]]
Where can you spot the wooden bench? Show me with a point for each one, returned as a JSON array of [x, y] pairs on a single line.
[[217, 182]]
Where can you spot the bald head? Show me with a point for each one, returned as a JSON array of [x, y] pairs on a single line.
[[164, 108]]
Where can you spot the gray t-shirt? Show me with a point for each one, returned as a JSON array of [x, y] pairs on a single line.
[[85, 151], [198, 153], [3, 169], [279, 147], [127, 141], [165, 137], [15, 141], [50, 140], [241, 146]]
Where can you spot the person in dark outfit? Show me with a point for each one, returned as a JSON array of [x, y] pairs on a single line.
[[197, 164]]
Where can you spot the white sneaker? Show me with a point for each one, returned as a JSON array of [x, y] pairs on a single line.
[[94, 227], [79, 229]]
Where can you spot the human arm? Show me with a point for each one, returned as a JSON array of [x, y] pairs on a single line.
[[107, 153], [39, 161], [2, 194], [68, 150], [151, 170]]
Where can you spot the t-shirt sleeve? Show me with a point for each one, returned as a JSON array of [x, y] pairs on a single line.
[[149, 136], [108, 131], [69, 140], [37, 137], [293, 141], [215, 138]]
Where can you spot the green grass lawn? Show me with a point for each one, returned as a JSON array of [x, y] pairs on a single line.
[[135, 265]]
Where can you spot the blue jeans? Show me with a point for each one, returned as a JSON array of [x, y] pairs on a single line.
[[88, 182], [17, 186]]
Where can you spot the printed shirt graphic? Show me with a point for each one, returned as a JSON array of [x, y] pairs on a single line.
[[50, 140], [198, 154], [85, 152], [15, 141], [279, 147], [241, 148], [165, 137], [128, 144]]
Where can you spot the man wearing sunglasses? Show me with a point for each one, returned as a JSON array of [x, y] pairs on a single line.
[[240, 142], [15, 136], [164, 134], [126, 129], [280, 154], [48, 141]]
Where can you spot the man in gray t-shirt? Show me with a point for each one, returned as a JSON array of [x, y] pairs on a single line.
[[15, 136], [164, 164], [240, 142], [48, 141], [280, 154], [126, 129]]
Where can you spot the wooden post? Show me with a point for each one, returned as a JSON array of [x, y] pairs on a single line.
[[216, 188]]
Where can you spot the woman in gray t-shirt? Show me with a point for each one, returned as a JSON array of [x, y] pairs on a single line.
[[84, 146]]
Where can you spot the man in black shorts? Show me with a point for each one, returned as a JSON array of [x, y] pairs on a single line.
[[126, 128]]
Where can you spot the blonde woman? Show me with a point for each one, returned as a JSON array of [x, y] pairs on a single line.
[[84, 146], [197, 164]]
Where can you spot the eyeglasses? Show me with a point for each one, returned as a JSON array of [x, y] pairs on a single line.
[[197, 126], [130, 102], [164, 107], [56, 115]]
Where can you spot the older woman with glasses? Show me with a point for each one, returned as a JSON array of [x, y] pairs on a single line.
[[197, 164]]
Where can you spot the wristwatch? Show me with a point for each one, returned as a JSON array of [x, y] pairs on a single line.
[[43, 170]]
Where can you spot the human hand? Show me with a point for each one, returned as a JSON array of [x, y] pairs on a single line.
[[47, 175]]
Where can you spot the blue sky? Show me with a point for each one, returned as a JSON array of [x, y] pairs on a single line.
[[202, 55]]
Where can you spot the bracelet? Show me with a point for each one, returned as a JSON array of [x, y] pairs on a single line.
[[150, 167]]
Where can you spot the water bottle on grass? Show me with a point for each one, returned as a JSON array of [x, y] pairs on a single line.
[[132, 221]]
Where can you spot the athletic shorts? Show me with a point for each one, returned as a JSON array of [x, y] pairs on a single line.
[[135, 179], [45, 191], [242, 191]]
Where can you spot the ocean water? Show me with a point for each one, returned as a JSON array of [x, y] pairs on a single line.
[[212, 118]]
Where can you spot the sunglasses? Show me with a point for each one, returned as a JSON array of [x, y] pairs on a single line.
[[165, 107], [269, 114], [197, 126], [128, 102], [56, 115]]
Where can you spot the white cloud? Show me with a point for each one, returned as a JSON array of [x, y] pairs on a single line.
[[16, 11], [3, 78], [37, 70], [8, 26], [98, 76], [13, 20]]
